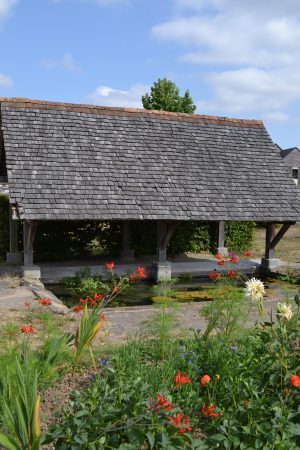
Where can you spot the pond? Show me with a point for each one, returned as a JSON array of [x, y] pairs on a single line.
[[196, 289]]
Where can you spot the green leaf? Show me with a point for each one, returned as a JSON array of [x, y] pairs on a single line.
[[294, 428], [151, 439], [8, 442]]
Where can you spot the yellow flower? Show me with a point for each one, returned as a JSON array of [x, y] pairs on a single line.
[[217, 376], [255, 289]]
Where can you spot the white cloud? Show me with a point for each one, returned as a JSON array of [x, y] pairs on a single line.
[[6, 8], [253, 46], [67, 62], [108, 96], [252, 89], [234, 39], [5, 81]]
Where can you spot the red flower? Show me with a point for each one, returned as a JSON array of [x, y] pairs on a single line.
[[133, 277], [161, 403], [78, 308], [98, 297], [115, 290], [93, 303], [183, 425], [181, 379], [84, 300], [205, 380], [231, 274], [219, 256], [247, 253], [234, 259], [208, 411], [110, 265], [212, 275], [294, 380], [221, 262], [103, 317], [45, 301], [140, 271], [176, 420], [27, 329]]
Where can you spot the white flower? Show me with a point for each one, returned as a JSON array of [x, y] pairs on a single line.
[[284, 311], [255, 289]]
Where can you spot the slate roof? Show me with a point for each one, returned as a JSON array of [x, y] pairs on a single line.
[[86, 162]]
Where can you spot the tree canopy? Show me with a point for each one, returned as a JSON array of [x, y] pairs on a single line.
[[165, 96]]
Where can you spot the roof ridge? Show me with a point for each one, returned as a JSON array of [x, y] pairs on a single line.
[[95, 109]]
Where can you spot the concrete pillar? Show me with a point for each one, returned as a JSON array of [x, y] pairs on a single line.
[[161, 269], [221, 239], [127, 254], [13, 256]]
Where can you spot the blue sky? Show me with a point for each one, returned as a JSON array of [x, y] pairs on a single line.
[[238, 58]]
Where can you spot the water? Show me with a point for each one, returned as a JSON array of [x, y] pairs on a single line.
[[196, 289]]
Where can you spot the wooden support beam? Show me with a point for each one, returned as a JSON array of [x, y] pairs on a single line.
[[272, 238], [165, 231], [281, 233], [13, 232], [221, 234], [127, 255], [29, 231]]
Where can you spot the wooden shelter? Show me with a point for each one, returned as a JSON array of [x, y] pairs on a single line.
[[81, 162]]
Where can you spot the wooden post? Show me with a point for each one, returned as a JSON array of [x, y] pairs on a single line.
[[161, 248], [221, 235], [29, 230], [127, 254], [270, 233], [13, 233]]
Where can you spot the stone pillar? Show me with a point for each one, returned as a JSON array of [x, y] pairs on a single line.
[[127, 254], [29, 270], [269, 261], [13, 256], [221, 239]]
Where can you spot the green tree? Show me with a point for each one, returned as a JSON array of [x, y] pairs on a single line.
[[165, 96]]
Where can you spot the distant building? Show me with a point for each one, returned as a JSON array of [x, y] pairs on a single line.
[[291, 157]]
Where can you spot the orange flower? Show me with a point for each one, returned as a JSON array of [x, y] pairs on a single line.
[[208, 411], [181, 379], [78, 308], [294, 380], [205, 380], [133, 277], [247, 253], [234, 259], [103, 317], [84, 300], [98, 297], [231, 274], [45, 302], [221, 262], [110, 265], [140, 271], [27, 329]]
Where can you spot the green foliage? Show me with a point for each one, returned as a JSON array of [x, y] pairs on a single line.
[[84, 285], [239, 235], [21, 412], [165, 96], [4, 225]]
